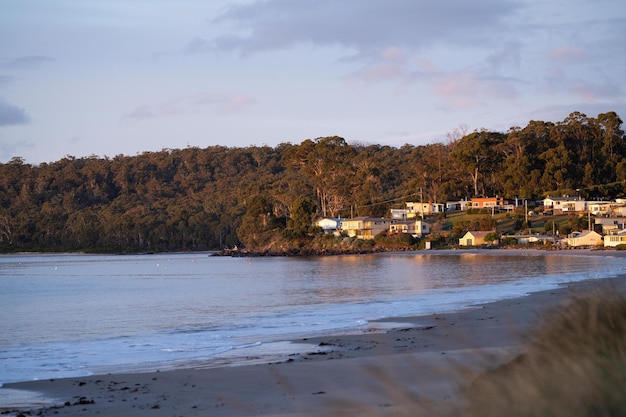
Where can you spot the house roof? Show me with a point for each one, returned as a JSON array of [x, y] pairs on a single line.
[[481, 233], [563, 198], [586, 233], [406, 222]]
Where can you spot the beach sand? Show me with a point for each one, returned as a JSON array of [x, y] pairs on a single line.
[[405, 366]]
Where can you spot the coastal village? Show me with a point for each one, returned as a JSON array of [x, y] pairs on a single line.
[[605, 222]]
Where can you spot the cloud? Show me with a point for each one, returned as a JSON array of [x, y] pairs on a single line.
[[465, 89], [196, 45], [564, 54], [192, 104], [27, 62], [363, 26], [394, 41], [508, 55], [12, 115], [141, 112], [593, 92]]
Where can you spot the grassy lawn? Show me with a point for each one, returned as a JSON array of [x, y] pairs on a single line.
[[510, 223]]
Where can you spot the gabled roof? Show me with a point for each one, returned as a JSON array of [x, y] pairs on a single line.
[[586, 233], [481, 233]]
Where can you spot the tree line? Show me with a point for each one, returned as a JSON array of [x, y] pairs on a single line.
[[215, 197]]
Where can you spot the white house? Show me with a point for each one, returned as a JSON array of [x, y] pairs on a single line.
[[525, 239], [458, 205], [399, 214], [611, 223], [329, 224]]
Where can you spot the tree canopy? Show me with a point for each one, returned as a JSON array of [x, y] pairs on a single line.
[[215, 197]]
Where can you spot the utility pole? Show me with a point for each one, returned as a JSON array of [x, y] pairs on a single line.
[[526, 211]]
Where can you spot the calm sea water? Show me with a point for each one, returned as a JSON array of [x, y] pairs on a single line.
[[71, 315]]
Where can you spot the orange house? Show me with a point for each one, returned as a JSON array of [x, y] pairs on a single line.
[[487, 202]]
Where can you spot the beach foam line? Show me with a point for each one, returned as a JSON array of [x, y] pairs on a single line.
[[14, 399]]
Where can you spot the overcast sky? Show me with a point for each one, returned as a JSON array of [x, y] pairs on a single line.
[[112, 77]]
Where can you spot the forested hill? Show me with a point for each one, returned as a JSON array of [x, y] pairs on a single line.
[[200, 199]]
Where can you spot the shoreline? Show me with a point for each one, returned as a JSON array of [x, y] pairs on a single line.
[[425, 360]]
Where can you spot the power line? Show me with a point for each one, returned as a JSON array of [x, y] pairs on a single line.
[[390, 201]]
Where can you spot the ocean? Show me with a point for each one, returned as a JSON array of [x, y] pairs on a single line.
[[66, 315]]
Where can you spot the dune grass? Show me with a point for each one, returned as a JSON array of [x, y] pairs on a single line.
[[575, 365]]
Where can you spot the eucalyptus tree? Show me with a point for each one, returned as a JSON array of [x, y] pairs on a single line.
[[327, 163], [476, 156]]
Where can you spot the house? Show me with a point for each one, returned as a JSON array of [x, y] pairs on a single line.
[[561, 205], [457, 205], [474, 238], [588, 238], [416, 228], [413, 210], [599, 208], [618, 209], [611, 223], [487, 202], [614, 238], [399, 214], [329, 224], [536, 238], [365, 227]]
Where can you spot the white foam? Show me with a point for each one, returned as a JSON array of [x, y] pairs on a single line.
[[12, 399]]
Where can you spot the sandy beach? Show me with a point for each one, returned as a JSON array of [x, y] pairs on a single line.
[[404, 366]]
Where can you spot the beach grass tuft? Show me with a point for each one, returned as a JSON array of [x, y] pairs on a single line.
[[575, 365]]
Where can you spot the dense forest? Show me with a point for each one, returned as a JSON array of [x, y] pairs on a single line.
[[216, 197]]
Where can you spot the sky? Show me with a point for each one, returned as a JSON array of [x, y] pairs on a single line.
[[103, 78]]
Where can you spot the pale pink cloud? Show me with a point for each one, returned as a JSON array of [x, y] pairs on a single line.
[[389, 65], [567, 54], [396, 65], [426, 66], [466, 88], [593, 92]]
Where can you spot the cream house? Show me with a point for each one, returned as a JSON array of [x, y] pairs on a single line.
[[365, 227], [565, 204], [474, 238], [416, 228], [599, 208], [413, 210], [588, 238], [614, 238]]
